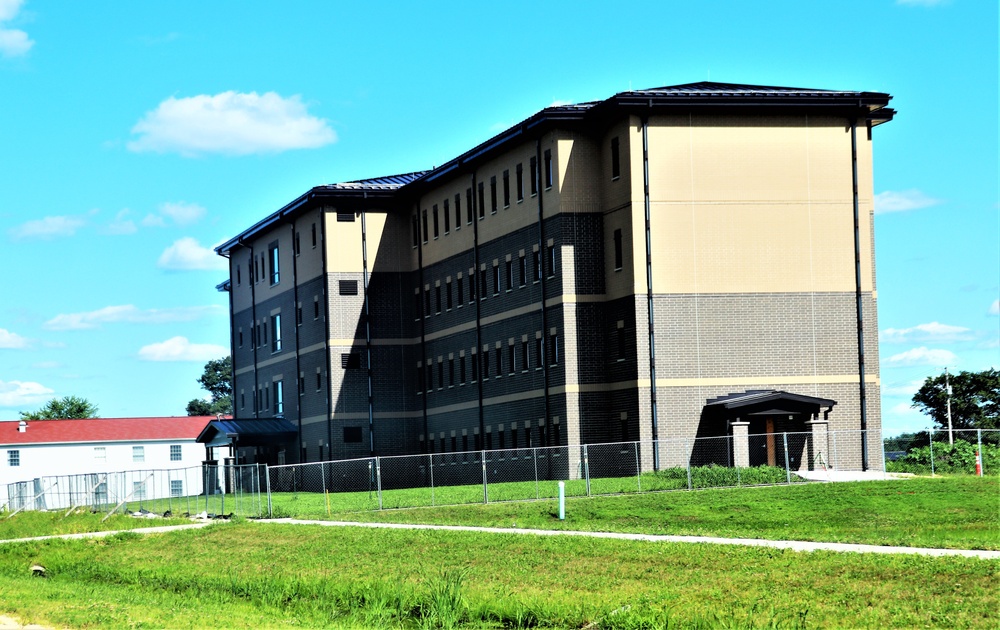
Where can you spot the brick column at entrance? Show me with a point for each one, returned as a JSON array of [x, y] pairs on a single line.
[[741, 443]]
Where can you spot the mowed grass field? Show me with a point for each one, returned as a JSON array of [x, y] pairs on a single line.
[[270, 575]]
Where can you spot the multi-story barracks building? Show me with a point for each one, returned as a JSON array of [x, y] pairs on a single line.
[[678, 262]]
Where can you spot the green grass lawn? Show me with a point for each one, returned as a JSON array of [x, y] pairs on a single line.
[[954, 512], [28, 524], [249, 574]]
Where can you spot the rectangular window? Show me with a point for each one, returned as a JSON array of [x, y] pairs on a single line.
[[493, 194], [313, 231], [513, 436], [13, 458], [447, 217], [486, 364], [415, 228], [176, 488], [519, 182], [482, 200], [503, 441], [319, 380], [138, 454], [100, 454], [622, 344], [465, 441], [302, 384], [474, 364], [138, 489], [468, 206], [239, 336], [554, 349], [417, 305], [175, 452], [616, 167], [524, 356], [499, 362], [533, 175], [420, 379], [547, 160], [315, 307], [298, 314], [483, 284], [237, 275], [350, 360], [618, 250], [522, 270], [451, 372], [429, 371], [447, 295], [352, 434], [435, 212], [489, 441], [273, 255], [437, 299], [496, 280], [298, 245], [424, 221], [511, 359], [427, 302], [551, 251], [509, 272], [461, 369], [539, 353], [506, 189], [276, 333], [536, 261], [459, 292], [458, 212], [345, 217], [440, 374], [472, 287]]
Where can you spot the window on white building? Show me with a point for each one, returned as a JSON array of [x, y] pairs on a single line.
[[100, 454], [13, 458], [139, 489], [175, 452], [176, 488], [138, 454]]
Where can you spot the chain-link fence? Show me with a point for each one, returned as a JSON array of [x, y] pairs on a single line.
[[939, 451], [213, 490]]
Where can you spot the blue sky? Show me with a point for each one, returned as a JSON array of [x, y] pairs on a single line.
[[135, 136]]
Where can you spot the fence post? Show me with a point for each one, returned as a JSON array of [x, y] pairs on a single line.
[[884, 476], [270, 510], [979, 450], [638, 471], [931, 434], [788, 472], [690, 452], [586, 468], [378, 479], [430, 466], [534, 456], [486, 493]]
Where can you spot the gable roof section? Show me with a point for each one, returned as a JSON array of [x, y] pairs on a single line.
[[103, 430]]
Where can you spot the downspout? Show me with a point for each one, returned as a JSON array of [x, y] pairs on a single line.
[[480, 293], [857, 284], [368, 335], [326, 341], [649, 294], [541, 258], [232, 339], [423, 322], [295, 300], [253, 325]]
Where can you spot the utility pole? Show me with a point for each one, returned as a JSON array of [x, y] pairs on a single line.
[[947, 389]]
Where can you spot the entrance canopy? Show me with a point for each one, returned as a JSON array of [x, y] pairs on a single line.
[[766, 402], [248, 432]]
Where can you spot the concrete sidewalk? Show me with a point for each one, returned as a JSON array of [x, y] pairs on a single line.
[[794, 545], [139, 530]]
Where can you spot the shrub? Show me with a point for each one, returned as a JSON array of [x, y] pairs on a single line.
[[957, 458]]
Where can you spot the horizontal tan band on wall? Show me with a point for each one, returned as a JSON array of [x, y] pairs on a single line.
[[714, 382], [284, 355]]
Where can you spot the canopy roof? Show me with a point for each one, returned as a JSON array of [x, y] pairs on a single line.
[[758, 402], [248, 432]]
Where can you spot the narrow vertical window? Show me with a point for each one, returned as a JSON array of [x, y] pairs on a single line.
[[298, 314], [547, 159], [416, 231], [315, 307], [458, 212], [506, 189], [519, 182], [434, 211], [616, 167], [427, 302], [276, 333], [451, 372], [238, 275], [522, 270], [447, 217], [509, 273], [533, 175], [418, 305], [461, 369], [552, 260], [482, 284], [420, 378], [437, 299], [499, 362], [486, 363], [524, 355], [554, 349], [482, 200], [279, 397], [536, 261], [496, 280], [313, 230], [618, 250], [468, 206], [459, 292], [472, 287], [622, 342], [511, 359], [298, 245], [430, 375], [440, 374], [273, 255], [424, 215], [447, 294], [474, 364], [493, 194], [539, 353]]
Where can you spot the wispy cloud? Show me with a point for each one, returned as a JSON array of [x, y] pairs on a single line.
[[932, 332], [13, 42], [905, 389], [22, 393], [902, 200], [180, 349], [12, 340], [995, 308], [923, 356], [153, 220], [181, 212], [48, 227], [47, 365], [128, 313], [122, 224], [230, 123], [187, 254]]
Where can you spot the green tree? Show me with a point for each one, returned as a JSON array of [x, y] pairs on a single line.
[[65, 408], [217, 380], [975, 400]]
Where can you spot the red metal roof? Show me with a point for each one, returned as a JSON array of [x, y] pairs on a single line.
[[104, 430]]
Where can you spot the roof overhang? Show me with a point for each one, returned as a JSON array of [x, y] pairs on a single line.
[[767, 402], [248, 432]]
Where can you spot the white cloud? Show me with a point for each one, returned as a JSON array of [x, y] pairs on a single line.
[[12, 340], [995, 308], [906, 389], [13, 42], [933, 331], [923, 356], [153, 220], [181, 212], [187, 254], [48, 227], [128, 313], [22, 393], [47, 365], [122, 225], [230, 123], [180, 349], [902, 200]]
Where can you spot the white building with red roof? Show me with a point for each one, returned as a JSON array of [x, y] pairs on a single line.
[[49, 449]]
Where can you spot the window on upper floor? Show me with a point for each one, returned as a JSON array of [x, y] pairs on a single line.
[[277, 387], [347, 287], [482, 200], [101, 453], [175, 452], [14, 458], [138, 454], [468, 206], [276, 333], [519, 182], [446, 210], [434, 211], [313, 230], [493, 194], [272, 251], [509, 273], [496, 280], [618, 250], [533, 175], [506, 189], [616, 167], [424, 217], [415, 228], [522, 270], [547, 162]]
